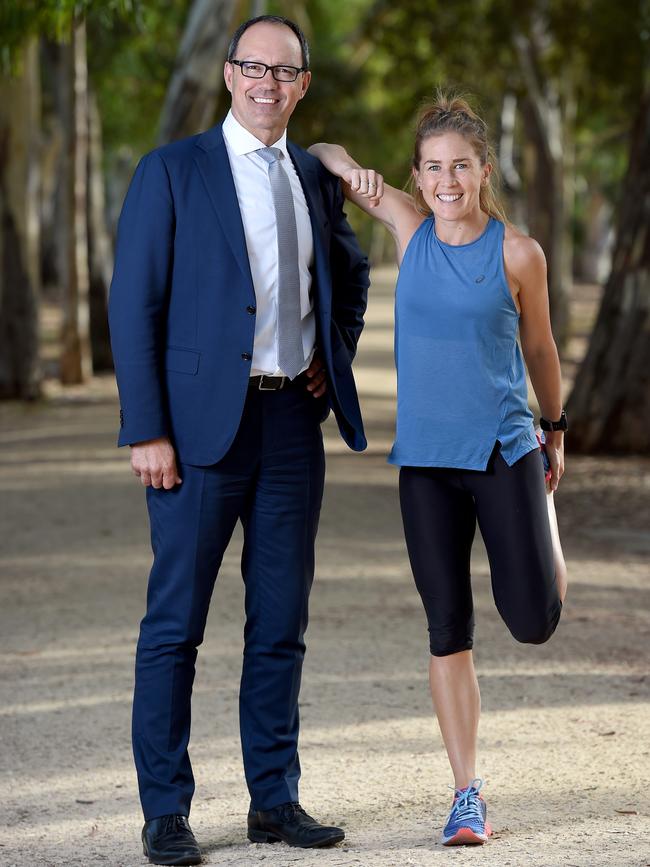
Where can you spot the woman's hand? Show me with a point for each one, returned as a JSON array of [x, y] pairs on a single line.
[[365, 182], [554, 441]]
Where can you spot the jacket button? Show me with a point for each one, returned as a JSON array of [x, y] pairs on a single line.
[[250, 309], [246, 356]]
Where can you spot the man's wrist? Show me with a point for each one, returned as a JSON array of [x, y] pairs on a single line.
[[151, 441]]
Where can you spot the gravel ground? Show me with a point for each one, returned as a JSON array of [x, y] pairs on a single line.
[[565, 733]]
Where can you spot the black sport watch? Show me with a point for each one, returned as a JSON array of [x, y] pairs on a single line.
[[560, 424]]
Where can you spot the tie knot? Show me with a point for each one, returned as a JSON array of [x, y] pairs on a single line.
[[270, 155]]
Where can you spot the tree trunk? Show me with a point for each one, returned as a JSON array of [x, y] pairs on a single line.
[[379, 241], [197, 79], [507, 166], [596, 256], [54, 57], [546, 185], [609, 408], [99, 245], [19, 226], [76, 361], [546, 220]]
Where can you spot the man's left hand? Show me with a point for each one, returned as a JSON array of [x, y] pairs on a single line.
[[316, 375]]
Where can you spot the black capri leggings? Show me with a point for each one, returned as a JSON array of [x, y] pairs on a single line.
[[440, 507]]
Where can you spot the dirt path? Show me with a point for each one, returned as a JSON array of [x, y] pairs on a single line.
[[565, 734]]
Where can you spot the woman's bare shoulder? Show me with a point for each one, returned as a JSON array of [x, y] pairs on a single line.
[[521, 252]]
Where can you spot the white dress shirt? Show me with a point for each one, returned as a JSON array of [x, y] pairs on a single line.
[[251, 175]]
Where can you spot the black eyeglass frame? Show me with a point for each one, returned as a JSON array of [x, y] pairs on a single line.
[[242, 63]]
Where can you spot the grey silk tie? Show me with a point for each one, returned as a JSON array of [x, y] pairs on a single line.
[[290, 352]]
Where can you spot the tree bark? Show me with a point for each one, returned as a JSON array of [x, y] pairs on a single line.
[[19, 229], [99, 245], [596, 258], [512, 182], [545, 174], [54, 58], [609, 408], [197, 79], [76, 360]]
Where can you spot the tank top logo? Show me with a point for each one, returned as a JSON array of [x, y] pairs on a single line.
[[480, 278]]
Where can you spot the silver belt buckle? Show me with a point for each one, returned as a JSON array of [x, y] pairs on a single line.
[[261, 386]]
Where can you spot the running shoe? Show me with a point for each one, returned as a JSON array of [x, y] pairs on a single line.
[[467, 823]]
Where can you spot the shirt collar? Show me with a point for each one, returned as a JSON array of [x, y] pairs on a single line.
[[241, 141]]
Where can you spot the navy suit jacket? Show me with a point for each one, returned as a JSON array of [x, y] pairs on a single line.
[[182, 301]]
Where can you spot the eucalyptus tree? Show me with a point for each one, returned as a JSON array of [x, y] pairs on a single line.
[[19, 226], [197, 78], [609, 407], [21, 23]]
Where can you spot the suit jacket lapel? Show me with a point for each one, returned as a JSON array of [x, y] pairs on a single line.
[[311, 188], [213, 164]]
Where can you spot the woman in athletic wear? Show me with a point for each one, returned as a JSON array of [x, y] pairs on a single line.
[[465, 441]]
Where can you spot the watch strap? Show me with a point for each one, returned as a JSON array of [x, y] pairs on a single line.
[[560, 424]]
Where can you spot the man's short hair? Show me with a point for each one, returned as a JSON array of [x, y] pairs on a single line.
[[270, 19]]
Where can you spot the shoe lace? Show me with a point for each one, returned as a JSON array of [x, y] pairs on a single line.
[[175, 823], [289, 812], [467, 805]]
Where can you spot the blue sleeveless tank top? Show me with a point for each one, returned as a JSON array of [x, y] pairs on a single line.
[[461, 382]]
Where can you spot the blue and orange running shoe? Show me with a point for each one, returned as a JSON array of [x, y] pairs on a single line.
[[467, 824]]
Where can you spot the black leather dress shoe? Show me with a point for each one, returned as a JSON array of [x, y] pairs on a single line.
[[169, 840], [289, 823]]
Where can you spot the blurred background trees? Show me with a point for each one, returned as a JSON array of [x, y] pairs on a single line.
[[87, 87]]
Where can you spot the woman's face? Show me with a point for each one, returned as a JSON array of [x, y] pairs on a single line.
[[451, 176]]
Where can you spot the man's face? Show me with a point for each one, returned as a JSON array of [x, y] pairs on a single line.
[[263, 105]]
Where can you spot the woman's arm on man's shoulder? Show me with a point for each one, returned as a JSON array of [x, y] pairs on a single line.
[[366, 189]]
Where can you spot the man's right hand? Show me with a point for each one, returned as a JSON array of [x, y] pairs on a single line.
[[154, 461]]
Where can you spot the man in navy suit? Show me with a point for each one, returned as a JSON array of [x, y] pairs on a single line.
[[219, 432]]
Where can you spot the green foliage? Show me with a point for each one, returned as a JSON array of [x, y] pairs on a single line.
[[20, 19], [130, 65], [132, 46]]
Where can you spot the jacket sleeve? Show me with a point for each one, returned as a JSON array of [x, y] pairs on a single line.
[[139, 298], [350, 274]]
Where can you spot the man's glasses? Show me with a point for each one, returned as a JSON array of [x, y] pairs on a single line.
[[252, 69]]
